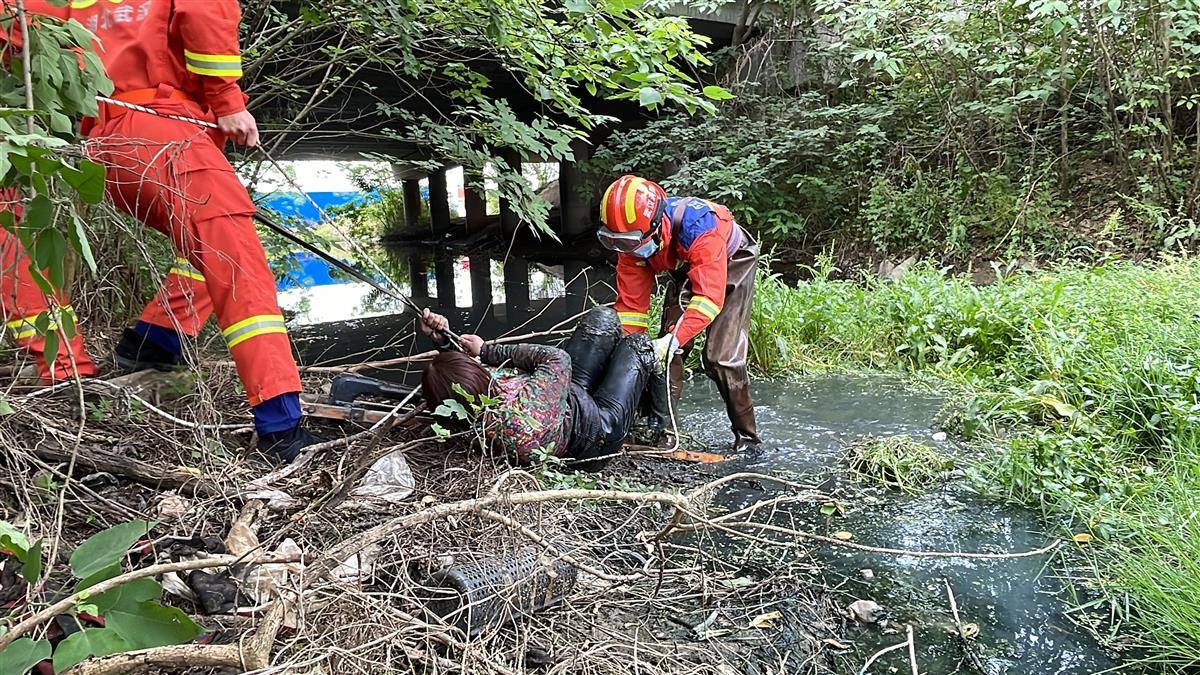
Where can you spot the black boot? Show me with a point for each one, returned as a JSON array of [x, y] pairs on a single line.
[[134, 353], [287, 445]]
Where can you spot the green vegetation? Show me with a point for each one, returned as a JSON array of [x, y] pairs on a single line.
[[958, 130], [897, 462], [133, 616], [1085, 387]]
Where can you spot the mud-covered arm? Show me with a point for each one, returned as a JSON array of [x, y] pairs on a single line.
[[531, 358]]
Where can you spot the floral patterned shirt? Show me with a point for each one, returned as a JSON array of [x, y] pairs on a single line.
[[533, 383]]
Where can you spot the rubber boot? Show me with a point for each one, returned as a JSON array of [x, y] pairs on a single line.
[[134, 353], [287, 445]]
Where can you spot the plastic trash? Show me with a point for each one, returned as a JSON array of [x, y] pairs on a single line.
[[389, 479], [487, 593]]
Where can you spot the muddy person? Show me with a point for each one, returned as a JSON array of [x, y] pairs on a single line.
[[576, 403], [710, 265]]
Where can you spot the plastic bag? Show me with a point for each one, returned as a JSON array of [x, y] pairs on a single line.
[[388, 479]]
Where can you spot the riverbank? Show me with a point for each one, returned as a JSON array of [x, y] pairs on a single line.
[[1082, 385]]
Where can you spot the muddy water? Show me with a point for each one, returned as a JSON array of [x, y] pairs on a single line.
[[1016, 603]]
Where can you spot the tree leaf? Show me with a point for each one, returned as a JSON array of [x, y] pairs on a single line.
[[23, 654], [103, 575], [37, 216], [649, 96], [87, 643], [32, 567], [79, 242], [106, 548], [766, 620], [150, 624], [717, 93], [91, 186], [128, 596], [13, 540], [842, 535]]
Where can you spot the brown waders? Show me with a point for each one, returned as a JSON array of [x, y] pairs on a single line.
[[726, 342]]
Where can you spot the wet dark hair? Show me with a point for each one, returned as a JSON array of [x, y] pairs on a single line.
[[448, 369]]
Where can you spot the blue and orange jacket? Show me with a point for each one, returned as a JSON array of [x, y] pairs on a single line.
[[699, 238]]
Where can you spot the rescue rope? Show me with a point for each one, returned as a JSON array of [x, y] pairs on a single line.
[[394, 294]]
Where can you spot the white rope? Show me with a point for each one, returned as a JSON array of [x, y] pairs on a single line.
[[152, 111]]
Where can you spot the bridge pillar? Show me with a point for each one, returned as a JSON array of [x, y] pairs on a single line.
[[443, 269], [574, 206], [439, 204], [412, 203], [508, 218], [481, 285], [516, 289], [417, 278], [475, 202]]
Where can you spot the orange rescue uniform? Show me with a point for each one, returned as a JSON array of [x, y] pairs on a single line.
[[181, 57]]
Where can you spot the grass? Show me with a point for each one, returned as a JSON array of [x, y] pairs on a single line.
[[1084, 382], [897, 462]]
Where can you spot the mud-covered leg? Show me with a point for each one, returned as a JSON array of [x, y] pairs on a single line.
[[618, 392], [591, 345]]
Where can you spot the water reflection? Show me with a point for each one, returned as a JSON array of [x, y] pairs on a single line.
[[336, 320]]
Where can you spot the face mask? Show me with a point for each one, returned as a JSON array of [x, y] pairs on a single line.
[[647, 249]]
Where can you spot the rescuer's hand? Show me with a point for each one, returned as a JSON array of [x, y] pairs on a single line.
[[240, 127], [665, 348], [433, 323], [471, 344]]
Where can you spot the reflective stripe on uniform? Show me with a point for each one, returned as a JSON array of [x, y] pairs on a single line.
[[217, 65], [184, 268], [254, 326], [705, 306], [638, 319], [26, 327]]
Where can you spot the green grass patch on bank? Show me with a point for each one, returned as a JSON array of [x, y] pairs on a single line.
[[1085, 384]]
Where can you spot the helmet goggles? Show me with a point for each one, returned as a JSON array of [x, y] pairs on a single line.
[[628, 242]]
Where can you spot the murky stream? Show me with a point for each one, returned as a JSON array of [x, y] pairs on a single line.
[[1015, 602], [806, 425]]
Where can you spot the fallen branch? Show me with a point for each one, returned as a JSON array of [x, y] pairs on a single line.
[[881, 652], [98, 459], [549, 548], [871, 549], [163, 658], [963, 640]]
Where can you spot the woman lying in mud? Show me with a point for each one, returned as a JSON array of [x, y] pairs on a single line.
[[576, 403]]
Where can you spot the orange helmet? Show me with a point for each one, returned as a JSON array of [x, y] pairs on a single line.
[[631, 213]]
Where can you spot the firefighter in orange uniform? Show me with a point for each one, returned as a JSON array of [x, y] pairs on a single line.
[[21, 300], [181, 57], [711, 264]]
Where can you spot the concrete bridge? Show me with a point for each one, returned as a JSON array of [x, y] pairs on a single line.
[[361, 138]]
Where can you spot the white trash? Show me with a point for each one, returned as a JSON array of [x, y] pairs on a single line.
[[389, 480]]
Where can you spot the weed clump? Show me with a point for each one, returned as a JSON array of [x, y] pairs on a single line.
[[897, 462]]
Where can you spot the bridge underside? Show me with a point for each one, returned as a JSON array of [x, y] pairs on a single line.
[[352, 128]]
